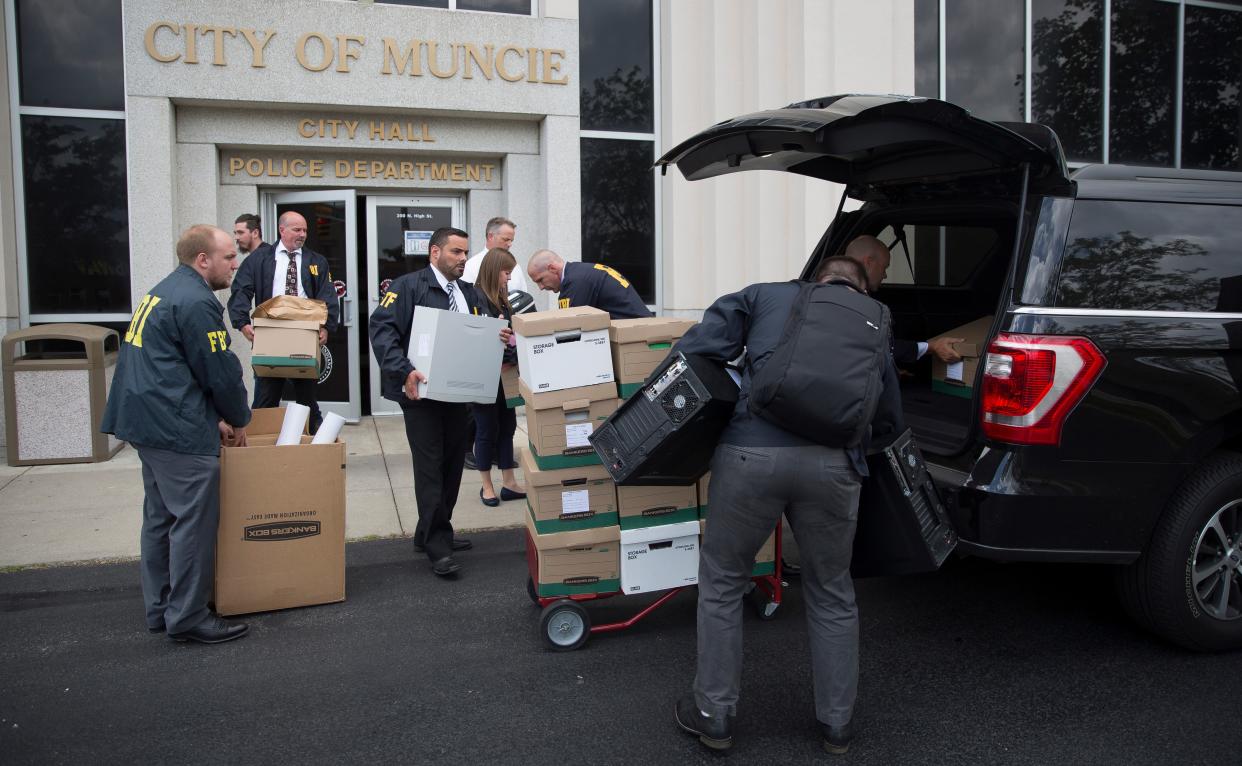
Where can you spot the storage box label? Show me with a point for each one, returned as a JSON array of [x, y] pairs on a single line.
[[281, 530], [576, 435], [575, 501]]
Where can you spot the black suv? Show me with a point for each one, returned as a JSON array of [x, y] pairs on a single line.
[[1103, 422]]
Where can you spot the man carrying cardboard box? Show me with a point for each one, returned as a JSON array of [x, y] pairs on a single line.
[[435, 430], [177, 393], [761, 470], [287, 268]]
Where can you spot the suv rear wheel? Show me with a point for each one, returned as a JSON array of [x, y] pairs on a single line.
[[1187, 586]]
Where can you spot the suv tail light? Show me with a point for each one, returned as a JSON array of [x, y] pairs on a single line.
[[1031, 383]]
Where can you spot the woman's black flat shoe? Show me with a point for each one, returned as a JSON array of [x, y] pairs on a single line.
[[490, 502], [508, 494]]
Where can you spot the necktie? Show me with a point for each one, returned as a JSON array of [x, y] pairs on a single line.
[[448, 288], [291, 275]]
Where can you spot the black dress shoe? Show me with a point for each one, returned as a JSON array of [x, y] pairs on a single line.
[[470, 464], [446, 567], [459, 544], [508, 494], [837, 738], [156, 628], [713, 731], [490, 502], [212, 630]]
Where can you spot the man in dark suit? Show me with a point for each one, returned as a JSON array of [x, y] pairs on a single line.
[[435, 430], [874, 257], [286, 268]]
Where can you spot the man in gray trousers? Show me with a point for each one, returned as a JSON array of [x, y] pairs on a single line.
[[176, 395], [760, 471]]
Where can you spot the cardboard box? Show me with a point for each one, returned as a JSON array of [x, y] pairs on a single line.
[[509, 382], [959, 378], [765, 559], [281, 540], [568, 499], [566, 348], [568, 563], [640, 507], [558, 433], [285, 348], [660, 557], [459, 353], [639, 345]]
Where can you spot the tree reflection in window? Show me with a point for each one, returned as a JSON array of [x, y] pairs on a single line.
[[618, 209], [1143, 80], [1067, 71], [1212, 89]]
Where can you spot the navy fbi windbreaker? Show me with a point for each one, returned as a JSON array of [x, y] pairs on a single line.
[[175, 376]]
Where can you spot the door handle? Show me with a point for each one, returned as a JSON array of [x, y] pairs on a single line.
[[346, 304]]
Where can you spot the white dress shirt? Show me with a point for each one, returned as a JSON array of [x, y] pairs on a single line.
[[517, 280], [282, 268], [458, 297]]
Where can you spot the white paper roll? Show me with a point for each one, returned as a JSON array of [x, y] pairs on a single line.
[[295, 422], [328, 429]]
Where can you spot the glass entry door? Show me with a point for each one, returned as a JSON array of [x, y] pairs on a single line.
[[331, 231], [398, 232]]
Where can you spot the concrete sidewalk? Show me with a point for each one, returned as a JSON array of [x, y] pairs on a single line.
[[54, 514]]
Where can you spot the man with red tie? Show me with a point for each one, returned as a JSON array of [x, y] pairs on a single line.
[[285, 268]]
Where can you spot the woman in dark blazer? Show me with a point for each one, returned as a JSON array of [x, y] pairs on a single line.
[[495, 423]]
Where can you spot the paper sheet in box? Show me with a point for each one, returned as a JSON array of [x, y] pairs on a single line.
[[660, 557], [459, 353]]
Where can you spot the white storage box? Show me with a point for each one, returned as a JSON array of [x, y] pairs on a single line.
[[566, 348], [660, 557], [459, 353]]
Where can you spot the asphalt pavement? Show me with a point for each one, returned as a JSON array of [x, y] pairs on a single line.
[[980, 663]]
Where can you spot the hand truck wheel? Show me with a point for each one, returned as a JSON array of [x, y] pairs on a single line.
[[564, 625], [764, 606], [531, 592]]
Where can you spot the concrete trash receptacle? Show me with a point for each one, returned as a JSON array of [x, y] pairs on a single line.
[[54, 400]]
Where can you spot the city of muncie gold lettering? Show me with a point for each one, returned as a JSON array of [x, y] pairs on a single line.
[[407, 170], [168, 42]]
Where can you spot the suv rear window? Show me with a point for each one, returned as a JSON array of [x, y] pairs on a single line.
[[1152, 256]]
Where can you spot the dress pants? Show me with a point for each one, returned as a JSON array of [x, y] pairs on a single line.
[[493, 441], [436, 432], [817, 489], [180, 517], [269, 391]]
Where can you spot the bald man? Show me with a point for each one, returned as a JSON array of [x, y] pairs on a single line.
[[874, 256], [285, 268], [586, 284]]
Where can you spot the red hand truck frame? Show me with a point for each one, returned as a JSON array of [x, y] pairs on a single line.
[[565, 624]]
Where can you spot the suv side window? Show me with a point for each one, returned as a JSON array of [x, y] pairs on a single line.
[[1152, 256]]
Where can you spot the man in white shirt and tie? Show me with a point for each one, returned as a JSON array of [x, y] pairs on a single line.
[[285, 268]]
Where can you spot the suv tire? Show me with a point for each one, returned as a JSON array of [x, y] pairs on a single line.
[[1158, 589]]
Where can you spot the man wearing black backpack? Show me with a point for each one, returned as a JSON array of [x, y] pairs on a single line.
[[809, 468]]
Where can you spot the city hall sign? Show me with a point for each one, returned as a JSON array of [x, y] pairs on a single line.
[[217, 45]]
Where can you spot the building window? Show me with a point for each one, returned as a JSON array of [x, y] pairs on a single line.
[[1067, 74], [617, 109], [1103, 74], [70, 54], [77, 235], [69, 94]]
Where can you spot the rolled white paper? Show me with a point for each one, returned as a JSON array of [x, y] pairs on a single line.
[[328, 429], [295, 422]]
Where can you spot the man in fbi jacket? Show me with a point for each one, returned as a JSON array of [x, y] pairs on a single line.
[[435, 430], [178, 392], [587, 284]]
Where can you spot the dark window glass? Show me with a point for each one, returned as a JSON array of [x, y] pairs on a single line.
[[615, 40], [77, 237], [1143, 78], [1148, 256], [495, 6], [421, 3], [927, 48], [965, 248], [618, 209], [984, 57], [70, 53], [1211, 79], [1067, 71]]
